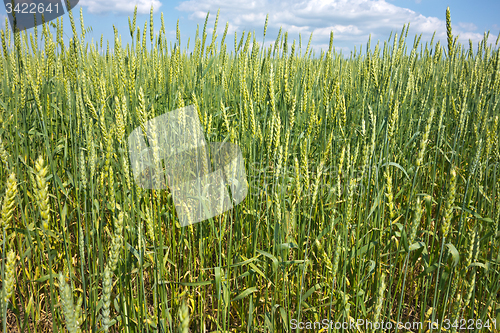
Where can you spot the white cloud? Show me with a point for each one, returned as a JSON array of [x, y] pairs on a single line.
[[351, 21], [467, 26], [475, 38], [120, 6]]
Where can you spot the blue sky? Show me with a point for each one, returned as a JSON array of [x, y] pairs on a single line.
[[352, 21]]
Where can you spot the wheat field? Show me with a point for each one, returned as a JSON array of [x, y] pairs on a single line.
[[373, 184]]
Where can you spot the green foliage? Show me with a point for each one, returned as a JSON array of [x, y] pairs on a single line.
[[374, 188]]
